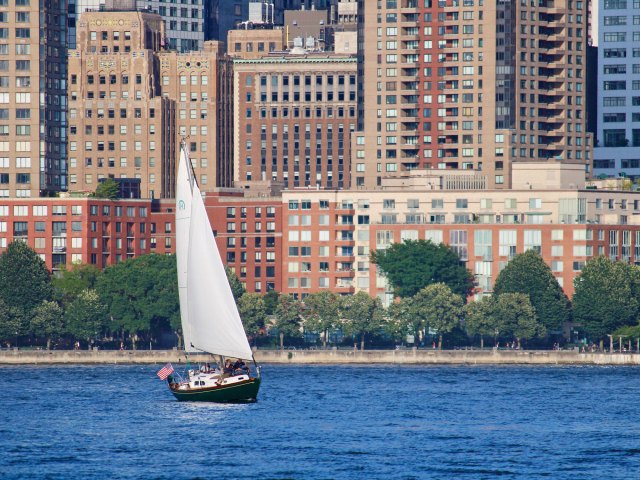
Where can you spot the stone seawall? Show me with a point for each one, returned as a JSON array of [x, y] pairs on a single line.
[[417, 357]]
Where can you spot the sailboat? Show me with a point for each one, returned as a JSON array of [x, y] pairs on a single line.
[[209, 315]]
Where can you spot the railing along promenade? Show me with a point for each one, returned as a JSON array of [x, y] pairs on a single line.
[[405, 357]]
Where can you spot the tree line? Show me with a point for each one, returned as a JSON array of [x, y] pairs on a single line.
[[526, 302], [129, 302], [136, 302]]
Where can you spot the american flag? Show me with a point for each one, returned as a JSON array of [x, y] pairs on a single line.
[[165, 371]]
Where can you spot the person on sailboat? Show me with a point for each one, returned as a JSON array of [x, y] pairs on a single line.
[[240, 367]]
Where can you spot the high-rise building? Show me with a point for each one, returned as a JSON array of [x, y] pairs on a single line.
[[132, 103], [470, 85], [618, 119], [293, 117], [120, 125], [33, 98], [200, 84], [184, 22]]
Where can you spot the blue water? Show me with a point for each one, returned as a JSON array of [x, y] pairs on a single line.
[[324, 422]]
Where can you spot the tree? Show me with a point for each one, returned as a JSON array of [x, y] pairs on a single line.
[[108, 189], [528, 273], [516, 313], [480, 319], [414, 264], [86, 317], [252, 311], [24, 279], [288, 316], [438, 308], [236, 287], [70, 283], [322, 313], [47, 321], [606, 297], [399, 320], [141, 295], [361, 314], [271, 301], [11, 323]]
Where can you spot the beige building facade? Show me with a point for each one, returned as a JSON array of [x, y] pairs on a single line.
[[255, 43], [200, 85], [119, 123], [132, 103]]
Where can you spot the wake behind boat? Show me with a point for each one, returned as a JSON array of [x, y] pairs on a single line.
[[210, 319]]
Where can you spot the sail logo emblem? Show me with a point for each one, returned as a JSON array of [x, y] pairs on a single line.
[[181, 205]]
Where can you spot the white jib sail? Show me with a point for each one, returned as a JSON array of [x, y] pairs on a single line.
[[183, 220], [215, 321]]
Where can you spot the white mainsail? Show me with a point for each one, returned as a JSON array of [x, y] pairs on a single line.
[[184, 193], [213, 316]]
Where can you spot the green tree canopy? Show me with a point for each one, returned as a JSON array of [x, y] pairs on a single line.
[[271, 301], [288, 318], [414, 264], [69, 283], [252, 312], [108, 189], [12, 323], [236, 286], [141, 295], [24, 279], [480, 319], [86, 317], [516, 314], [438, 308], [322, 311], [47, 321], [361, 314], [606, 297], [399, 320], [528, 273]]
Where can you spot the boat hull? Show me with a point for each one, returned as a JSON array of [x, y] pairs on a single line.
[[246, 391]]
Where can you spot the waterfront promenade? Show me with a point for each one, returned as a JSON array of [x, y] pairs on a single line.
[[298, 357]]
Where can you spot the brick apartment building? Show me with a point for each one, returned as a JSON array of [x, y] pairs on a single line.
[[470, 85], [293, 118], [69, 230], [329, 234]]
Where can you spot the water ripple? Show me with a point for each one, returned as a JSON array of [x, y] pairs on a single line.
[[324, 422]]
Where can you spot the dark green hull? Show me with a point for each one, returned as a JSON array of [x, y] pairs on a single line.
[[246, 391]]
